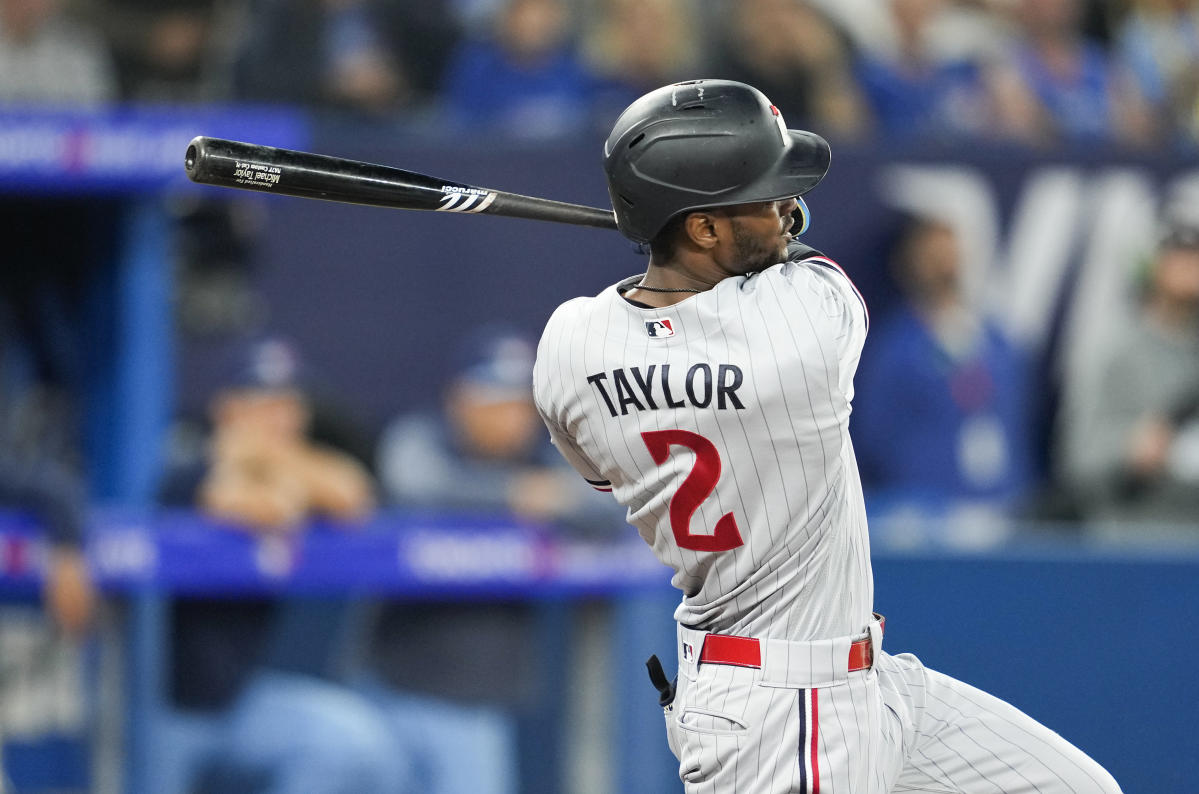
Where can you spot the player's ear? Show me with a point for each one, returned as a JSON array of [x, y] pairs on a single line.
[[700, 228]]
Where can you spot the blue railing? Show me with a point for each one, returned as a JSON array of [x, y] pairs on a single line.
[[1094, 641]]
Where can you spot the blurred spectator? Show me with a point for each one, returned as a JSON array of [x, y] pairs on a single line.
[[263, 469], [239, 724], [1159, 40], [54, 495], [484, 452], [363, 55], [953, 29], [215, 245], [487, 434], [1058, 85], [526, 79], [956, 384], [47, 56], [914, 91], [639, 45], [795, 55], [171, 50], [1132, 447], [42, 474], [41, 350]]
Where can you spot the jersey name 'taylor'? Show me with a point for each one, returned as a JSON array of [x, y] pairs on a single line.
[[651, 388]]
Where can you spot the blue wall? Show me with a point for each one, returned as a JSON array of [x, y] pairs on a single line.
[[1098, 647]]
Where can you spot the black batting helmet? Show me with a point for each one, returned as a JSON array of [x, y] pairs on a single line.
[[704, 143]]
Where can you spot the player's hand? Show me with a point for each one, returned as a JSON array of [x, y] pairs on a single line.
[[68, 591], [260, 498], [1149, 446], [249, 448], [367, 81], [337, 485]]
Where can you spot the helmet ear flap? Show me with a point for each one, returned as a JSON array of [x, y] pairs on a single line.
[[803, 217]]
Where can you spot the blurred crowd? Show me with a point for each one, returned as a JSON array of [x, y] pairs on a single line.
[[1032, 71], [984, 437], [945, 417], [415, 707]]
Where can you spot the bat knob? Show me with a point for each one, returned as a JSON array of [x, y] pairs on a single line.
[[195, 155]]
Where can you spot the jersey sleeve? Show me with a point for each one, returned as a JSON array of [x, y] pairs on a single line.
[[576, 458], [548, 395], [852, 316]]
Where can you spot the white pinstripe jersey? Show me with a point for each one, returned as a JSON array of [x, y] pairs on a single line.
[[722, 424]]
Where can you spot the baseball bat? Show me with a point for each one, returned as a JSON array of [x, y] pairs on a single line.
[[216, 161]]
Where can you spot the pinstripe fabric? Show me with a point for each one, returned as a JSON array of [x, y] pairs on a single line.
[[897, 728], [788, 475], [960, 739], [760, 370]]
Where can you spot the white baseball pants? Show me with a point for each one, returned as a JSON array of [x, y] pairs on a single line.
[[803, 724]]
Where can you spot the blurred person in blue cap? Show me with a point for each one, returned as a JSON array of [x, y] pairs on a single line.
[[244, 718], [483, 451], [264, 469]]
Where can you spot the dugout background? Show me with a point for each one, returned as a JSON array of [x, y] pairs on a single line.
[[376, 297]]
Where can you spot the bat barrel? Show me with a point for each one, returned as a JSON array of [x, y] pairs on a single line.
[[215, 161], [248, 166]]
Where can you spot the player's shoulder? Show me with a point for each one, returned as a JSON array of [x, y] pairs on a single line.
[[580, 309], [804, 258], [818, 268], [569, 310], [815, 273], [807, 266], [571, 323], [569, 314]]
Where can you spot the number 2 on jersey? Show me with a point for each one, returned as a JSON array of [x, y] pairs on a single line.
[[698, 486]]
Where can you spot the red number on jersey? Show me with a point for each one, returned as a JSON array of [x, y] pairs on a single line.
[[697, 487]]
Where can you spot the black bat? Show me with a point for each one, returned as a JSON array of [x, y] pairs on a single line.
[[215, 161]]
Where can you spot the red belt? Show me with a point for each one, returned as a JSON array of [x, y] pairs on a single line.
[[747, 651]]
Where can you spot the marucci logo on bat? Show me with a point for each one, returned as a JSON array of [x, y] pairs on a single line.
[[465, 199]]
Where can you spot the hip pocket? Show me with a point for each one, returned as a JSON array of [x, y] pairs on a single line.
[[702, 720], [672, 730]]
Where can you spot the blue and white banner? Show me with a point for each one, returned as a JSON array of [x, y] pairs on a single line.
[[125, 149]]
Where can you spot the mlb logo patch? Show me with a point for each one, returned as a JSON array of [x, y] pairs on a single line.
[[660, 327]]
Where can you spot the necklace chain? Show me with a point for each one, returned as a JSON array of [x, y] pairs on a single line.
[[664, 289]]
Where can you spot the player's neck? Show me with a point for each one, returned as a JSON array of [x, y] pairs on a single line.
[[679, 282]]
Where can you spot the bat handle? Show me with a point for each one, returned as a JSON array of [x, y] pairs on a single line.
[[517, 206]]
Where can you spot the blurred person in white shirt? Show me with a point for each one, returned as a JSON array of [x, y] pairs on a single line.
[[48, 57]]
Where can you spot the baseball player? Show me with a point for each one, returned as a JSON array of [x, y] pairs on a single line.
[[711, 395]]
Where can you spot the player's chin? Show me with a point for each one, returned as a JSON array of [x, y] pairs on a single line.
[[781, 251], [763, 255]]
